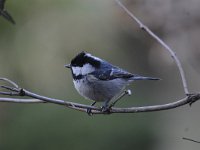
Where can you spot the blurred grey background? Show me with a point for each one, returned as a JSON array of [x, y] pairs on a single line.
[[49, 33]]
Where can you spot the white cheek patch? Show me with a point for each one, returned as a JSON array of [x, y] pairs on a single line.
[[86, 69], [76, 70]]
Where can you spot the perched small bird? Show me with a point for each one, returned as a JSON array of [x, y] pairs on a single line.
[[98, 80], [4, 13]]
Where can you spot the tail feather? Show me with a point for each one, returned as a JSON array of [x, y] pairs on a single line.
[[137, 77]]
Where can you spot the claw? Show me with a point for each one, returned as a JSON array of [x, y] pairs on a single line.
[[106, 109], [89, 110]]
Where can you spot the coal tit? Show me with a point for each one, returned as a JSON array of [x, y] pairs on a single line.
[[98, 80]]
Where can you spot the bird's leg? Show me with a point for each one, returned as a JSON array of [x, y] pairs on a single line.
[[89, 111], [125, 92], [106, 107]]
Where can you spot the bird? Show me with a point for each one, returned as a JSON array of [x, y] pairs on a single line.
[[4, 13], [98, 80]]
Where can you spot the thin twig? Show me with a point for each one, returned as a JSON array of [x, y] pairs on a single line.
[[20, 100], [9, 93], [126, 92], [9, 81], [172, 53], [188, 139]]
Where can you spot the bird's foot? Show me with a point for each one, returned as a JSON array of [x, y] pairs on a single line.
[[106, 109], [89, 110]]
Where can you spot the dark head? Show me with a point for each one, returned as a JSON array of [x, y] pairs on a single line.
[[84, 58], [83, 64]]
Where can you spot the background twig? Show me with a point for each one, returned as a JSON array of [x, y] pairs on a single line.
[[188, 139], [172, 53]]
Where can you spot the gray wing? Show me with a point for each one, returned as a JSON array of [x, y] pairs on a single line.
[[2, 2], [112, 74]]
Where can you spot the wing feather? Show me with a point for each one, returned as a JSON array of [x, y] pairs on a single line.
[[111, 74]]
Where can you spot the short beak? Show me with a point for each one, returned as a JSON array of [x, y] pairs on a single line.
[[68, 66]]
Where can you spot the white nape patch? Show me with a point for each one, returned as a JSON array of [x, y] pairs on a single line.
[[87, 68], [96, 58], [111, 73]]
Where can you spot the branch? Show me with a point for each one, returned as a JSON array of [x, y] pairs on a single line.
[[13, 91], [17, 91], [153, 35]]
